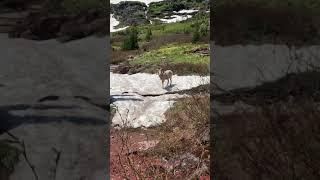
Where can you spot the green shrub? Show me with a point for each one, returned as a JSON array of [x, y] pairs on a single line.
[[186, 31], [195, 36], [203, 29], [200, 27], [131, 41], [149, 35], [9, 156]]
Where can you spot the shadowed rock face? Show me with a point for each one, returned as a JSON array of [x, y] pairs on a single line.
[[54, 96]]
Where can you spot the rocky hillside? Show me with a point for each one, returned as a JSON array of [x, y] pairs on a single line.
[[134, 8], [167, 7], [140, 13]]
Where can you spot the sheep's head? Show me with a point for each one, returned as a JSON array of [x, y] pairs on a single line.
[[160, 71]]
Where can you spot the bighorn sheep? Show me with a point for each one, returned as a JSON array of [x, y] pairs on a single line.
[[165, 75]]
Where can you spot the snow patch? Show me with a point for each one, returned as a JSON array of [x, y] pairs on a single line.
[[114, 23], [135, 110], [145, 83], [174, 18], [186, 11]]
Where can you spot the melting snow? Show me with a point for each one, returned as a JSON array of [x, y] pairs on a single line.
[[135, 110], [175, 18], [113, 23], [185, 11]]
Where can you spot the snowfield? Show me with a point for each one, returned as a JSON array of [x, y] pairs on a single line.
[[136, 110]]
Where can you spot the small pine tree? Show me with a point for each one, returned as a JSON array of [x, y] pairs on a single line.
[[149, 35], [131, 41], [195, 35], [203, 29]]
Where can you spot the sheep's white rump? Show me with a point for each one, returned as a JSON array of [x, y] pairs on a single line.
[[146, 111]]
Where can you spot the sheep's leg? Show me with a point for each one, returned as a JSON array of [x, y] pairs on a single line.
[[167, 82], [162, 83], [170, 81]]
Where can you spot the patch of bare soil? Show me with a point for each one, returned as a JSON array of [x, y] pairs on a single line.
[[202, 51], [120, 56]]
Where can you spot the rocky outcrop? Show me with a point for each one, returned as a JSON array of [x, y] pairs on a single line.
[[130, 12], [165, 8]]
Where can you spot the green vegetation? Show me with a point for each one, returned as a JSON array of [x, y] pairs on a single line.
[[174, 53], [9, 157], [178, 27], [157, 29], [148, 35], [195, 36], [131, 41], [150, 43], [157, 9], [200, 21], [170, 46]]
